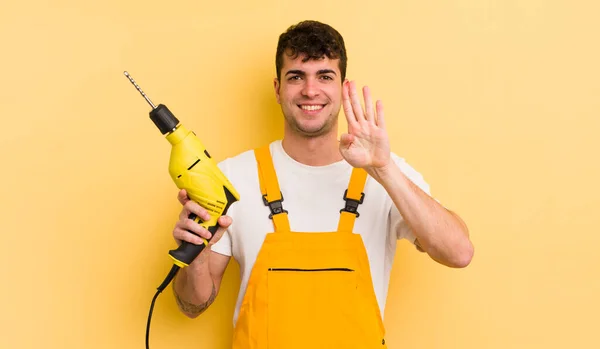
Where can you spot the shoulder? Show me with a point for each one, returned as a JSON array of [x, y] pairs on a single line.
[[245, 160], [241, 161]]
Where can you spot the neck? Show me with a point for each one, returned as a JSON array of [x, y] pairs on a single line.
[[312, 151]]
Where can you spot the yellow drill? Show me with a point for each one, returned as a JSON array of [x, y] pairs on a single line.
[[192, 168]]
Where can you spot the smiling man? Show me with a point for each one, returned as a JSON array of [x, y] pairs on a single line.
[[316, 227]]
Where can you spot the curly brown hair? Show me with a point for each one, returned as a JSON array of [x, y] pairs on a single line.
[[314, 40]]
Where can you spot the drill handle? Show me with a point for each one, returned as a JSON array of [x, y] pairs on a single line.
[[187, 252]]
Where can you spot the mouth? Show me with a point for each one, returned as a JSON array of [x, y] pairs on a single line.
[[311, 108]]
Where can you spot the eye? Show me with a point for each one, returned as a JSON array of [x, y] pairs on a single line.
[[294, 77], [326, 77]]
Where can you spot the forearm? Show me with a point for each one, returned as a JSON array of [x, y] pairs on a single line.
[[194, 288], [438, 231]]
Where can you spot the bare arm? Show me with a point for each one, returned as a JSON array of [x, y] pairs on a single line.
[[196, 286], [438, 231]]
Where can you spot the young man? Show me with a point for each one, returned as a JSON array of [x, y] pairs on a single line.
[[316, 228]]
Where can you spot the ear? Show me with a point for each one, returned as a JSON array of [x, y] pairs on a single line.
[[276, 87]]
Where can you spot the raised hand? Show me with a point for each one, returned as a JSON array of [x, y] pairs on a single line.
[[366, 145]]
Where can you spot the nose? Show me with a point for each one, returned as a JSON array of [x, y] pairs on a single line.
[[310, 88]]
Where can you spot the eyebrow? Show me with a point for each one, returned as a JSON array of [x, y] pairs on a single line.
[[300, 72]]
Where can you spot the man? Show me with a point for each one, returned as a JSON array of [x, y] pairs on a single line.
[[316, 227]]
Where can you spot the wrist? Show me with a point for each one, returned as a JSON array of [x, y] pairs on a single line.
[[382, 174], [200, 263]]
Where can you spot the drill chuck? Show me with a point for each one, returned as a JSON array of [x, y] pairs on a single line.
[[163, 119]]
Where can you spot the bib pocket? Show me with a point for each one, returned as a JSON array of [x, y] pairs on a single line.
[[312, 308]]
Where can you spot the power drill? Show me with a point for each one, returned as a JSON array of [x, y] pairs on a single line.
[[192, 168]]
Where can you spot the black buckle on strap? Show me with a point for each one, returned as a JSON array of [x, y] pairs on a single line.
[[352, 204], [276, 206]]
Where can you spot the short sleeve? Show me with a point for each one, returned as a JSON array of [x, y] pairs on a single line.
[[398, 226], [224, 246]]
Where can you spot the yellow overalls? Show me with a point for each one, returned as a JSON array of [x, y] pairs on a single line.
[[309, 290]]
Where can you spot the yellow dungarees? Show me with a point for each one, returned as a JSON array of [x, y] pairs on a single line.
[[309, 290]]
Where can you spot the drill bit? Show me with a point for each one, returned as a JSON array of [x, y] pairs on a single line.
[[139, 89]]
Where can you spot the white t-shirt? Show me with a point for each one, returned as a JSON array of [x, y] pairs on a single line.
[[313, 197]]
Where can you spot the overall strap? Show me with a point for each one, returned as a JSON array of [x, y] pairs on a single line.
[[353, 196], [269, 187]]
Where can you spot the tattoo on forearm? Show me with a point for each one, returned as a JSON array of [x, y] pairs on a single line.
[[195, 309]]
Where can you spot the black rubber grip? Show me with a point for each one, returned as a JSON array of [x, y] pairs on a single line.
[[187, 252]]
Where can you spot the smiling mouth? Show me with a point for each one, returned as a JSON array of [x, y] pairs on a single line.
[[311, 107]]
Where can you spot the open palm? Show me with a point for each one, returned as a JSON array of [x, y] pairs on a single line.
[[366, 145]]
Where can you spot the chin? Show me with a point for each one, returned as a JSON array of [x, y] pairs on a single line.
[[309, 126], [312, 130]]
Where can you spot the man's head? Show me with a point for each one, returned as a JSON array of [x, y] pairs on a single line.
[[311, 67]]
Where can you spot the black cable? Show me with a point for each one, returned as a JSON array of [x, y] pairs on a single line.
[[160, 288]]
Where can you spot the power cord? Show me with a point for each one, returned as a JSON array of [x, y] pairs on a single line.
[[160, 288]]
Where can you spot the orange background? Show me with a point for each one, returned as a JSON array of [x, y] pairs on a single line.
[[495, 103]]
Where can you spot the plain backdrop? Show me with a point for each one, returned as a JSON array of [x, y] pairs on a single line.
[[496, 103]]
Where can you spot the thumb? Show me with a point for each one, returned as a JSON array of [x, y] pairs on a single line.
[[182, 196], [346, 139]]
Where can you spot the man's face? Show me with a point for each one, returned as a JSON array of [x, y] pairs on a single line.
[[310, 95]]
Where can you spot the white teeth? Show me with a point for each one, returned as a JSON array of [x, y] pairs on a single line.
[[311, 107]]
